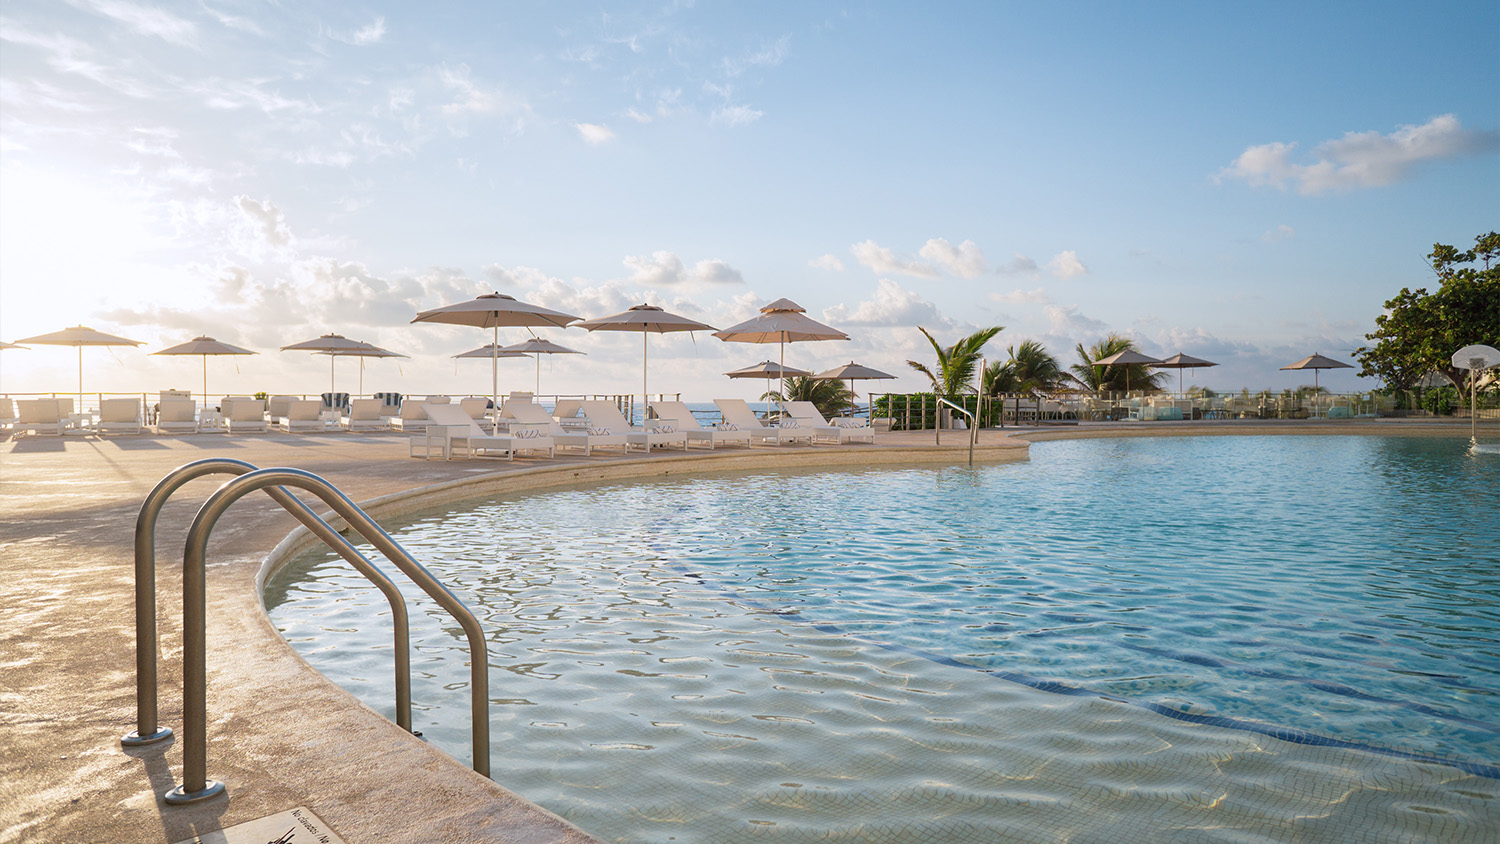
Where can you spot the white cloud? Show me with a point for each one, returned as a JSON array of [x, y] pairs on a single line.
[[965, 260], [827, 262], [1066, 265], [1019, 264], [770, 55], [883, 260], [739, 115], [665, 269], [595, 134], [1282, 232], [892, 305], [1358, 159], [468, 96], [265, 226], [638, 116], [372, 33], [1067, 321], [1022, 297], [147, 20]]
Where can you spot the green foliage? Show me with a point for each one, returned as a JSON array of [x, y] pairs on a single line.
[[1113, 378], [1420, 331], [262, 396], [1030, 370], [1442, 401], [956, 363], [831, 398]]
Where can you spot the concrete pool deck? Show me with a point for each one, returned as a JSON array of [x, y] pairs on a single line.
[[280, 735]]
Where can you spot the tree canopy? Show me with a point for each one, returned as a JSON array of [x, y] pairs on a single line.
[[1030, 369], [1115, 378], [1420, 331], [831, 397], [957, 363]]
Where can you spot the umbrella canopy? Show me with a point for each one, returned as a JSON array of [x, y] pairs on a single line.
[[768, 369], [781, 322], [538, 347], [852, 372], [1316, 362], [204, 346], [79, 336], [488, 351], [1125, 359], [4, 345], [336, 346], [1180, 362], [362, 353], [493, 310], [648, 320]]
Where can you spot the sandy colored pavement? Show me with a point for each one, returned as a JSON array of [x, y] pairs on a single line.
[[280, 735]]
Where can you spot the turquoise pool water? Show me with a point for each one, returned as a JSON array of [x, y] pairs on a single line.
[[717, 636]]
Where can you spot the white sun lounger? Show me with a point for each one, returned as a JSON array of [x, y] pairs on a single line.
[[302, 415], [604, 416], [365, 415], [40, 416], [530, 415], [121, 416], [412, 416], [176, 416], [683, 418], [457, 431], [244, 416], [736, 412], [807, 416]]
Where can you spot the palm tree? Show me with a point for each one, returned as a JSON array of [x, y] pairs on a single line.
[[831, 397], [956, 363], [1113, 378], [999, 379], [1035, 371]]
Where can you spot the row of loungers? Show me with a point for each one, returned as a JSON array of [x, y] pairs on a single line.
[[530, 428]]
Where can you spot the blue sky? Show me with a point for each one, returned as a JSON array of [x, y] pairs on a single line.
[[1245, 183]]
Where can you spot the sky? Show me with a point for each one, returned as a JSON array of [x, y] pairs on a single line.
[[1246, 183]]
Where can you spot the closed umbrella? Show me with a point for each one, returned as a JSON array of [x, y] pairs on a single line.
[[781, 322], [537, 346], [648, 320], [1180, 362], [204, 346], [1126, 359], [79, 336], [852, 372], [1316, 362], [493, 310], [767, 369]]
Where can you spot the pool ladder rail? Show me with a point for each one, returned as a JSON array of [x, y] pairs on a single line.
[[196, 786]]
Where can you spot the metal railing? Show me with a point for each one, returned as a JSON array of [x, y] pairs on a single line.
[[973, 427], [196, 786]]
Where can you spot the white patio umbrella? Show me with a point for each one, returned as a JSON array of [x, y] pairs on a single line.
[[1126, 359], [4, 345], [1316, 362], [493, 310], [371, 352], [1180, 362], [767, 369], [537, 347], [204, 346], [336, 346], [852, 372], [781, 322], [648, 320], [79, 336]]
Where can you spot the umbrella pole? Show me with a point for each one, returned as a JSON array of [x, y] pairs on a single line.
[[205, 379], [80, 379], [645, 395], [361, 376], [495, 383], [538, 374]]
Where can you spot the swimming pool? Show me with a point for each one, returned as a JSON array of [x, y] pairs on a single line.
[[941, 653]]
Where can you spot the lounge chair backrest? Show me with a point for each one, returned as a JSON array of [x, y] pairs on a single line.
[[7, 409], [245, 410], [173, 394], [604, 414], [278, 405], [39, 411], [451, 414], [366, 410], [64, 407], [678, 413], [519, 396], [303, 410], [177, 411], [476, 408], [801, 410], [412, 411], [120, 410], [529, 413], [566, 408], [737, 412], [437, 400]]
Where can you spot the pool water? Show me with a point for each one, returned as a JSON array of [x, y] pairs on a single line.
[[829, 652]]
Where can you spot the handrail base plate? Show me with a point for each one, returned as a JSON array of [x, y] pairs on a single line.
[[179, 797], [135, 739]]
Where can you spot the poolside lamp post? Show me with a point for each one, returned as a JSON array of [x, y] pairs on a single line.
[[1476, 359]]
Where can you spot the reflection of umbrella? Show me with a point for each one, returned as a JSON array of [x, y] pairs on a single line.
[[204, 346], [852, 372], [80, 336], [648, 320], [781, 322], [1316, 362], [336, 346], [767, 369], [537, 346], [1126, 359], [493, 310], [1180, 362], [371, 352]]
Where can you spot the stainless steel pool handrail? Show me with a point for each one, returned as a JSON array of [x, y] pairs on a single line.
[[147, 646], [973, 426], [196, 785]]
